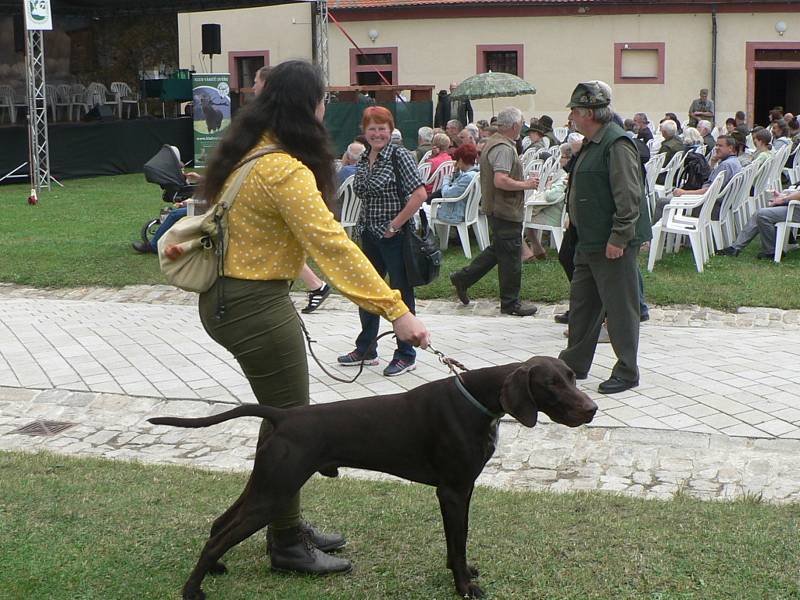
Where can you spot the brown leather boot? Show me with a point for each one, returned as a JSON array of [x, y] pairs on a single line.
[[292, 550]]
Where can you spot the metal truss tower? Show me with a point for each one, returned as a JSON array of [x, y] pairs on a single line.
[[322, 39], [37, 110]]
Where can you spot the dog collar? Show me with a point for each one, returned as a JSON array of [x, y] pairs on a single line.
[[474, 402]]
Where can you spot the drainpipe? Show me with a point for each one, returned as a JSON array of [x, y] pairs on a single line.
[[714, 58]]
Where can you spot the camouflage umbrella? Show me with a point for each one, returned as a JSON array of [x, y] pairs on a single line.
[[492, 85]]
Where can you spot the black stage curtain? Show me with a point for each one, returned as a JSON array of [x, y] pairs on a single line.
[[95, 149]]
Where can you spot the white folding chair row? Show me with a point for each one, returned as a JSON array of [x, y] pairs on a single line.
[[472, 217], [733, 196], [561, 133], [677, 220], [793, 172], [782, 229], [351, 205]]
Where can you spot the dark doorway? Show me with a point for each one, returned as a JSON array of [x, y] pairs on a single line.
[[775, 87]]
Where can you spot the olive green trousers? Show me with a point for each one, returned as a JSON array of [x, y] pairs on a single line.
[[260, 327]]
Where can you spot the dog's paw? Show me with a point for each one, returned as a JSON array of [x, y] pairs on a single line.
[[473, 591], [218, 568], [195, 594], [473, 571]]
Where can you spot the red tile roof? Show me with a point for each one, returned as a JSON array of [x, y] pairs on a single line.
[[390, 4]]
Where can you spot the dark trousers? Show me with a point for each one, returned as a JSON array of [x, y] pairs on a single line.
[[505, 251], [261, 329], [566, 257], [602, 287], [386, 255]]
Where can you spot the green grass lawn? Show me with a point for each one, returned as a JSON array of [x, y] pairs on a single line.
[[96, 529], [80, 236]]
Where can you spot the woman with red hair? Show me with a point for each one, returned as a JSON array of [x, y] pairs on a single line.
[[391, 191], [466, 155]]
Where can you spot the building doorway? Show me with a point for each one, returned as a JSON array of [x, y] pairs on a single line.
[[775, 87], [773, 79]]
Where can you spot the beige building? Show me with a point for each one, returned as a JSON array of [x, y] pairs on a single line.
[[656, 55]]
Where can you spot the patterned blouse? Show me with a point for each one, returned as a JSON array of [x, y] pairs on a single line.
[[279, 216], [381, 196]]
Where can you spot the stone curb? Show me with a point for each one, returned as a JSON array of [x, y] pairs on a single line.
[[674, 315]]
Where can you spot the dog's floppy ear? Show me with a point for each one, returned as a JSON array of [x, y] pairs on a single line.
[[516, 398]]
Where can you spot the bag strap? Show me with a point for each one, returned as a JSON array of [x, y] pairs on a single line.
[[244, 167], [222, 207]]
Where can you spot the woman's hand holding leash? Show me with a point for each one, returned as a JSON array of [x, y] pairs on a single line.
[[410, 329]]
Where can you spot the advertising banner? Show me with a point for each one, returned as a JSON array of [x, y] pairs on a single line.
[[37, 15], [212, 112]]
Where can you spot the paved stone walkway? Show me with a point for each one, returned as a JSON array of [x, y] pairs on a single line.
[[716, 415]]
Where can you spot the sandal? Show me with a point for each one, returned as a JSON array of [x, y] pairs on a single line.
[[316, 298]]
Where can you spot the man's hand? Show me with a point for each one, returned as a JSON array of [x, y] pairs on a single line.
[[613, 252], [678, 192], [532, 182], [193, 177]]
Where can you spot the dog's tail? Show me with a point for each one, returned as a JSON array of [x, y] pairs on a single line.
[[247, 410]]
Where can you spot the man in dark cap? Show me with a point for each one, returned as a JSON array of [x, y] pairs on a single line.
[[546, 124], [604, 196]]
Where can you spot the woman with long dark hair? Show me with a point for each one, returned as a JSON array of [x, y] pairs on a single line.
[[389, 185], [279, 215]]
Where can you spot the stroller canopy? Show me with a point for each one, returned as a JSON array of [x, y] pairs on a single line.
[[165, 168]]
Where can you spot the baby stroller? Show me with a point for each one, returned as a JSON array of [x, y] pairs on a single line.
[[166, 169]]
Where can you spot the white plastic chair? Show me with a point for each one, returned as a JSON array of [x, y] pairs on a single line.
[[793, 172], [424, 169], [7, 102], [757, 197], [677, 219], [97, 93], [724, 229], [125, 97], [561, 133], [425, 156], [782, 230], [471, 218], [77, 100], [351, 205], [437, 177], [556, 231], [672, 170], [780, 158], [652, 169]]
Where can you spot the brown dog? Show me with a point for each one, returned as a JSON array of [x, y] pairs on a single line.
[[434, 434]]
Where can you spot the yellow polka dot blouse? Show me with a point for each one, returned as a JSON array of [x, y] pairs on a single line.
[[279, 217]]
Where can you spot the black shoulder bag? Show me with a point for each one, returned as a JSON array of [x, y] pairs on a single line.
[[421, 253]]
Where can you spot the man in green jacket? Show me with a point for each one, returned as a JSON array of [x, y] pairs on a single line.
[[604, 196]]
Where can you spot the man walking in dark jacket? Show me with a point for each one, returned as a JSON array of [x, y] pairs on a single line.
[[604, 197]]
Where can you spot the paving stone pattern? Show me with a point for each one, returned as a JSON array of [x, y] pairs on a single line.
[[717, 414]]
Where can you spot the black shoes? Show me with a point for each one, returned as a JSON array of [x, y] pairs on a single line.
[[729, 251], [520, 309], [327, 542], [562, 318], [644, 317], [316, 298], [143, 248], [461, 289], [614, 385], [293, 550]]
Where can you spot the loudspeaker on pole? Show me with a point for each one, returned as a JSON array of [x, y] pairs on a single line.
[[212, 39]]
